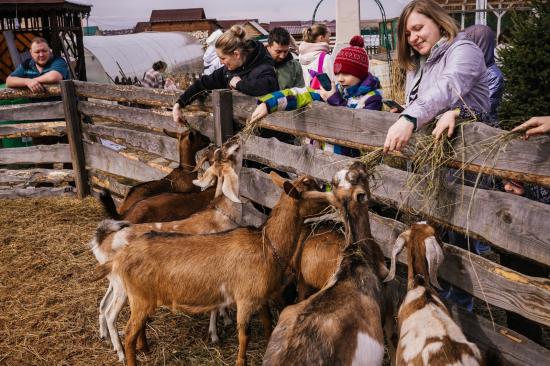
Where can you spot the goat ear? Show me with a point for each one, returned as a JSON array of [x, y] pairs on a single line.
[[397, 248], [207, 180], [291, 190], [434, 256], [277, 179], [232, 150], [172, 134], [230, 185], [320, 196]]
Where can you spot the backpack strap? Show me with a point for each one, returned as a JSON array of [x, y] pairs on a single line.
[[321, 62]]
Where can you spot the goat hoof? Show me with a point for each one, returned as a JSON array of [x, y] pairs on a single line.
[[121, 357], [215, 340]]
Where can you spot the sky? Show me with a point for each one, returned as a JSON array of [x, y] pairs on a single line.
[[118, 14]]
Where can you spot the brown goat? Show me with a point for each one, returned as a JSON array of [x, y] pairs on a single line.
[[342, 323], [200, 273], [180, 180], [427, 333], [223, 213]]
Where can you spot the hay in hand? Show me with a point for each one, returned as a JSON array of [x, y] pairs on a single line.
[[252, 126], [428, 178]]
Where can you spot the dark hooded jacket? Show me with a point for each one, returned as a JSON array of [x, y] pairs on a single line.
[[484, 38], [257, 76]]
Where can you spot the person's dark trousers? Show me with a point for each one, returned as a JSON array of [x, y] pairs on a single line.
[[526, 327]]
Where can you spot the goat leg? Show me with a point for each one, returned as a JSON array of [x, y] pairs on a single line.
[[141, 344], [133, 328], [265, 317], [105, 301], [244, 313], [212, 328]]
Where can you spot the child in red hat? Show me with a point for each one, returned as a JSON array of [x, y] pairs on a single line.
[[356, 88]]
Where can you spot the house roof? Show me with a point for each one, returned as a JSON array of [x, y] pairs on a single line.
[[175, 15], [227, 23], [291, 23], [142, 27]]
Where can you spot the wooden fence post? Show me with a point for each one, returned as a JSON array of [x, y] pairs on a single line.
[[74, 134], [222, 103]]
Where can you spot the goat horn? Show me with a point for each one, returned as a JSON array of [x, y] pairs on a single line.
[[434, 256], [397, 248]]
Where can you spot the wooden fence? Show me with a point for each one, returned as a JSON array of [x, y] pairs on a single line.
[[19, 176], [509, 223]]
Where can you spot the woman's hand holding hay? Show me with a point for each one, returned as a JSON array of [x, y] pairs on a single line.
[[398, 135], [177, 116], [534, 126], [447, 121]]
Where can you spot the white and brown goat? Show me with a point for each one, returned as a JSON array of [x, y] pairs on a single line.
[[427, 333], [223, 213], [342, 323], [200, 273]]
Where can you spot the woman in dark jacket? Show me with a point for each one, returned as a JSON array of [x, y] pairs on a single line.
[[247, 68]]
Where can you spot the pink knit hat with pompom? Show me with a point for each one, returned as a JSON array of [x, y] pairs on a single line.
[[353, 60]]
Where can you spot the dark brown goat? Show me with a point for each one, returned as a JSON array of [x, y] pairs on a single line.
[[342, 323], [180, 180]]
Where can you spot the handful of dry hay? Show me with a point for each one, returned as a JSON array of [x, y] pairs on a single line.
[[252, 126]]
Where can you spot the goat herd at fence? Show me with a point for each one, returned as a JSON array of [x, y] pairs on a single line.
[[206, 262], [197, 243]]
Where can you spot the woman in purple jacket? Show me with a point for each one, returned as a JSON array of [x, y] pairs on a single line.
[[443, 73]]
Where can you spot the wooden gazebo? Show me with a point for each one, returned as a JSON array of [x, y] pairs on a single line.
[[58, 21]]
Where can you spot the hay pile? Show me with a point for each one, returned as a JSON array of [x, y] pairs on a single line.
[[49, 304]]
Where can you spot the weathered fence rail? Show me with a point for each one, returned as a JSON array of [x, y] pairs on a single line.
[[510, 223]]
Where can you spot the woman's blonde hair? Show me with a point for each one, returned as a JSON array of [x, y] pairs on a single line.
[[310, 34], [431, 9], [234, 39]]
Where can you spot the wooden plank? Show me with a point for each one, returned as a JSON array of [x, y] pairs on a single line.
[[150, 118], [500, 286], [35, 192], [135, 94], [112, 183], [513, 348], [526, 161], [500, 218], [35, 129], [503, 287], [58, 153], [74, 134], [100, 157], [222, 102], [31, 111], [35, 176], [51, 90], [156, 143]]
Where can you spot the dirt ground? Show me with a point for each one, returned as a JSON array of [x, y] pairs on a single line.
[[49, 303]]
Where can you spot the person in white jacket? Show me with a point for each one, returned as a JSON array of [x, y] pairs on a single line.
[[210, 59], [314, 54]]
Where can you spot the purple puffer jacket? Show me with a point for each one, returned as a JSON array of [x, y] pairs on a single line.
[[453, 74]]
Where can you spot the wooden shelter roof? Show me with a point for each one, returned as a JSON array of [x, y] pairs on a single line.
[[175, 15]]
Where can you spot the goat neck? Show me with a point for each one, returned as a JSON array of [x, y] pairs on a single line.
[[283, 227], [362, 258]]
